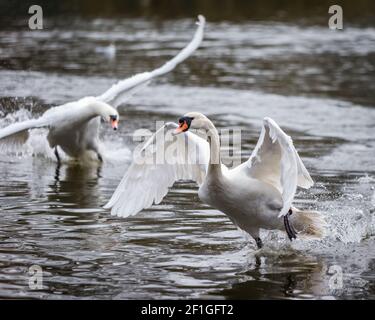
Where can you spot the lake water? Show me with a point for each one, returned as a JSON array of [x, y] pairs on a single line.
[[318, 84]]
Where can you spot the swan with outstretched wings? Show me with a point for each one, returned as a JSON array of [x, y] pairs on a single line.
[[256, 194]]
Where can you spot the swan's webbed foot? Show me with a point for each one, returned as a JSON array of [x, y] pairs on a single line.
[[291, 232], [57, 156], [259, 242]]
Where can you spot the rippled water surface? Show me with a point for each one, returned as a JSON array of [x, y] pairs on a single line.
[[317, 84]]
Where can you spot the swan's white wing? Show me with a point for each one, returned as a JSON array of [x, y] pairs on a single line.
[[52, 117], [162, 161], [121, 91], [276, 161], [21, 128]]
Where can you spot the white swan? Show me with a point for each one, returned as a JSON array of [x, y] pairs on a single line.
[[75, 126], [253, 195]]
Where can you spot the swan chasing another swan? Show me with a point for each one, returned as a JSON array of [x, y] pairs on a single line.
[[254, 195], [74, 126]]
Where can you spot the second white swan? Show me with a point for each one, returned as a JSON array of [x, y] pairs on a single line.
[[74, 126]]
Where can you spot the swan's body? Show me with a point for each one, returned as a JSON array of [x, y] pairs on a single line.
[[250, 204], [75, 126], [253, 195]]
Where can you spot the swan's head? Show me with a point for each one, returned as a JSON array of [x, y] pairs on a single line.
[[108, 113], [192, 120], [113, 119]]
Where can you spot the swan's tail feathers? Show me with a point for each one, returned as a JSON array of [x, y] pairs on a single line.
[[310, 224]]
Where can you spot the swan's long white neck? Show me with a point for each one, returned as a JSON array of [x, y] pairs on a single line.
[[214, 167], [100, 109], [87, 109]]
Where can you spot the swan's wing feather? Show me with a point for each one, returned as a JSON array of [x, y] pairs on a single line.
[[276, 161], [53, 116], [161, 161], [19, 131], [121, 91]]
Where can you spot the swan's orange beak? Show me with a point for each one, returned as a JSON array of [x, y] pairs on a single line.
[[114, 124], [182, 128]]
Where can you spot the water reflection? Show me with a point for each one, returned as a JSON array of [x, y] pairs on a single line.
[[281, 276], [77, 184]]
